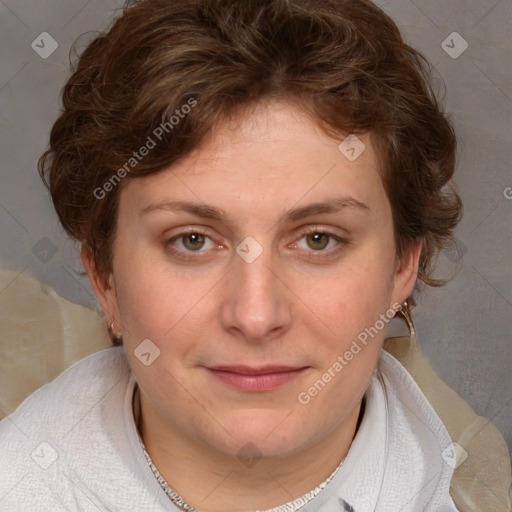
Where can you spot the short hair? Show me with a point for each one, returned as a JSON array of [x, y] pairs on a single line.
[[179, 68]]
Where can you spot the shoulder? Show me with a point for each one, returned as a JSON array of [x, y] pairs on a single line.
[[63, 421], [55, 405], [479, 455], [395, 461], [418, 441]]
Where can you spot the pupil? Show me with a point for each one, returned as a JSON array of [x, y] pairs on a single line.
[[194, 241], [318, 241]]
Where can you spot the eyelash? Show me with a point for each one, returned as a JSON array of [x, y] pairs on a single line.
[[322, 253], [180, 253]]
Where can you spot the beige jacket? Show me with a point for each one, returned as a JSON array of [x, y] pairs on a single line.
[[43, 334]]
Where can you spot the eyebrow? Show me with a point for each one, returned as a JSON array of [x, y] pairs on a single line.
[[209, 212]]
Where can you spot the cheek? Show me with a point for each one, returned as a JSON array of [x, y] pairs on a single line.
[[167, 307], [355, 308], [351, 311], [354, 294]]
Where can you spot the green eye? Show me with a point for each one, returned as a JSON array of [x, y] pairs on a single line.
[[191, 246], [317, 241], [193, 241]]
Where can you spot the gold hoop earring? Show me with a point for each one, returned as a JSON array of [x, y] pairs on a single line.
[[115, 337], [405, 311]]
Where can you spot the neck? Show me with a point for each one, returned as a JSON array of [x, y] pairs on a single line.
[[211, 481]]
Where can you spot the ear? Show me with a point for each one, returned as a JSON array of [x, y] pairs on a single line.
[[103, 285], [406, 272]]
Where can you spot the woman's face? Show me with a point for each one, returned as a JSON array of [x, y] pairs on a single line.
[[267, 251]]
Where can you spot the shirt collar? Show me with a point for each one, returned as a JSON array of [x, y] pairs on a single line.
[[395, 461]]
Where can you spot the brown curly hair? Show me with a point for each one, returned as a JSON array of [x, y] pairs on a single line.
[[343, 61]]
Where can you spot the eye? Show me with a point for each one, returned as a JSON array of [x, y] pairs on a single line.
[[191, 241], [319, 240]]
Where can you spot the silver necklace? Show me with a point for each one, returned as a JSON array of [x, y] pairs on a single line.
[[291, 506]]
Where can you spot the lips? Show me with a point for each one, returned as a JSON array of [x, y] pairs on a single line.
[[248, 378], [248, 370]]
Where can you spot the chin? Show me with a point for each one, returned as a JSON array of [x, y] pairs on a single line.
[[264, 433]]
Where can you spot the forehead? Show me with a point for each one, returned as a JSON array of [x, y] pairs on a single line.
[[273, 153]]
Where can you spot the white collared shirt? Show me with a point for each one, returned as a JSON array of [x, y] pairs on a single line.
[[395, 463], [73, 445]]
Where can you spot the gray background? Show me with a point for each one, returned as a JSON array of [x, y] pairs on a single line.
[[464, 328]]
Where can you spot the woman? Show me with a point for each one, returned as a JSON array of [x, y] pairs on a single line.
[[258, 187]]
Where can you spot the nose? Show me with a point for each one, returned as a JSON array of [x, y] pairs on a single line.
[[257, 306]]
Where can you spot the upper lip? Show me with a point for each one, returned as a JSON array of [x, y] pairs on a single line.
[[261, 370]]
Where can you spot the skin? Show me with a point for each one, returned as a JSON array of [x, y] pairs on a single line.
[[300, 303]]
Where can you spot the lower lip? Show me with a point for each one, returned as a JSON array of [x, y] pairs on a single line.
[[263, 382]]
